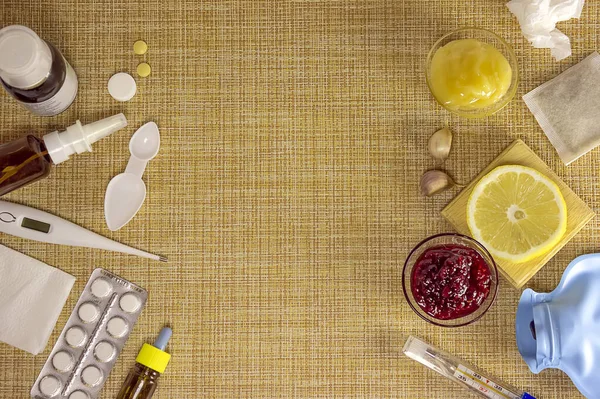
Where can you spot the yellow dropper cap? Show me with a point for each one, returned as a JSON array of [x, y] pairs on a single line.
[[154, 356]]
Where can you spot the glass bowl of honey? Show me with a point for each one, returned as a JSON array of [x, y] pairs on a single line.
[[472, 72], [450, 280]]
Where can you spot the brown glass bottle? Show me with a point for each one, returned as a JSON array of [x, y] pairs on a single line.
[[29, 159], [49, 87], [149, 364], [34, 72], [140, 383], [23, 161]]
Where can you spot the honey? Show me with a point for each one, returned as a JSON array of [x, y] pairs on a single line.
[[469, 74]]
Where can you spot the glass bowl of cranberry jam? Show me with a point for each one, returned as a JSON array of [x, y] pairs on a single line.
[[450, 280]]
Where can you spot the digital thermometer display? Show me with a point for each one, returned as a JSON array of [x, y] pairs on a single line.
[[35, 225]]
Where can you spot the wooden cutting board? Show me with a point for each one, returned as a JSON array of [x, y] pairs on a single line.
[[578, 213]]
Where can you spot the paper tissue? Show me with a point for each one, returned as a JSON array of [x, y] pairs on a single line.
[[538, 20], [32, 295]]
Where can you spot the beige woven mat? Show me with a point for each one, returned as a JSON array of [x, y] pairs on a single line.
[[285, 192]]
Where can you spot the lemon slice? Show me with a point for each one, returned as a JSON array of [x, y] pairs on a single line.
[[517, 213]]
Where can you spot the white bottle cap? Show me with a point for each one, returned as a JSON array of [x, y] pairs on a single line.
[[79, 138], [25, 59], [122, 87]]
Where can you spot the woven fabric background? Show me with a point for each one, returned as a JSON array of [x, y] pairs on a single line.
[[285, 193]]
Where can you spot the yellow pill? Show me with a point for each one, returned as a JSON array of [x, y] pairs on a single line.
[[144, 69], [140, 47]]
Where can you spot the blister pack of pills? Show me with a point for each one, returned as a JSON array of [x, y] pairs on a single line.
[[92, 339]]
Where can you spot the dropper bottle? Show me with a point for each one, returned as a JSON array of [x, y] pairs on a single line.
[[29, 159], [151, 362]]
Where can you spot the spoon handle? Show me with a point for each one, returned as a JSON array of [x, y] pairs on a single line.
[[136, 166]]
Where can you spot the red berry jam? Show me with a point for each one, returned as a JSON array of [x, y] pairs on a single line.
[[450, 281]]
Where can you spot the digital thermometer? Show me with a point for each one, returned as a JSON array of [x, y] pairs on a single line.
[[33, 224]]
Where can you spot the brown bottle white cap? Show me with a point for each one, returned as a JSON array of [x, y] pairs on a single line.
[[25, 59]]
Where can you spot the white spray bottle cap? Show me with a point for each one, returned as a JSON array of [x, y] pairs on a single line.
[[79, 138]]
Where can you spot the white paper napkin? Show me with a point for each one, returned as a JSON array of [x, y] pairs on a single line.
[[32, 295], [538, 20]]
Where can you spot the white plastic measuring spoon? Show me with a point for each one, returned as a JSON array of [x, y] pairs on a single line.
[[126, 192]]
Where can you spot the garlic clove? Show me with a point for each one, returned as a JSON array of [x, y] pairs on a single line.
[[435, 181], [440, 144]]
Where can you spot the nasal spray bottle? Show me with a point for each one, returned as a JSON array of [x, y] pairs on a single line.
[[151, 362], [28, 159]]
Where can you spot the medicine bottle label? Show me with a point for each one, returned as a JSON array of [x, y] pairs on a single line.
[[61, 100]]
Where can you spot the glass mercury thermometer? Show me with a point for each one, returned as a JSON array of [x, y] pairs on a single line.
[[461, 372]]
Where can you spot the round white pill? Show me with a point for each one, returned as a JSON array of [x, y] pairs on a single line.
[[101, 288], [91, 376], [130, 303], [75, 337], [104, 351], [79, 395], [122, 87], [62, 361], [50, 386], [88, 312], [117, 327]]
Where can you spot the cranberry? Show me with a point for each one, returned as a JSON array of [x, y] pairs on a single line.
[[450, 281]]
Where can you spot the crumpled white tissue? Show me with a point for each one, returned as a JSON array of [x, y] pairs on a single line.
[[32, 295], [538, 20]]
